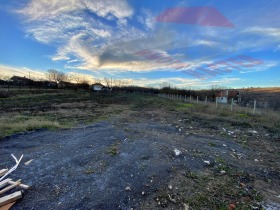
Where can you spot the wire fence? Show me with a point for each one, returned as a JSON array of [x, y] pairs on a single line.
[[215, 106]]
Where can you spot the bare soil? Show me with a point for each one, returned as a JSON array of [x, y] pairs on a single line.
[[128, 161]]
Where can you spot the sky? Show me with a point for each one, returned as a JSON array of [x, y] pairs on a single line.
[[131, 40]]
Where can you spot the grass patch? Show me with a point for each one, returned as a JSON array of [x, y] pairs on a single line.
[[113, 150], [19, 123]]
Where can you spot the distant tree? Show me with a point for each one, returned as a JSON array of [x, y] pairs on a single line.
[[56, 75]]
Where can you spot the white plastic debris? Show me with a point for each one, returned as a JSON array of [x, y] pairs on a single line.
[[224, 129], [14, 168], [177, 152], [128, 188], [256, 160], [170, 187], [253, 131], [206, 161], [224, 145], [222, 172], [28, 162]]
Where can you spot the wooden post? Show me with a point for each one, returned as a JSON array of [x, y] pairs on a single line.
[[255, 103], [231, 105], [190, 99], [185, 98], [197, 99], [206, 100]]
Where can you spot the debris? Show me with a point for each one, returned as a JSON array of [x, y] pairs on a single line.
[[252, 131], [143, 193], [177, 152], [171, 199], [206, 161], [128, 188], [10, 187], [224, 130], [224, 145], [10, 198], [180, 129], [28, 162], [3, 172], [256, 160], [222, 172], [186, 207], [232, 155], [14, 168], [26, 187], [170, 187], [7, 206]]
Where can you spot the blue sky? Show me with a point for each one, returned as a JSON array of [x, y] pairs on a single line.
[[99, 38]]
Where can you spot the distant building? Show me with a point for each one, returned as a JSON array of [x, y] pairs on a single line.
[[225, 96], [97, 87], [16, 80]]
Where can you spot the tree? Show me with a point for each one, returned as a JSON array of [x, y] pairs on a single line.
[[56, 75]]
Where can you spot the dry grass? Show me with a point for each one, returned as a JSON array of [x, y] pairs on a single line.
[[13, 123]]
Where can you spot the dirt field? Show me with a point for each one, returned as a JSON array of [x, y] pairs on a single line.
[[139, 152]]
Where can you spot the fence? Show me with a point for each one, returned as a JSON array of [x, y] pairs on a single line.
[[231, 107]]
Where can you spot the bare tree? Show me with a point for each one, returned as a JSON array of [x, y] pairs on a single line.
[[56, 75]]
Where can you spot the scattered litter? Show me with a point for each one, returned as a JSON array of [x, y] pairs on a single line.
[[232, 155], [8, 184], [128, 188], [171, 199], [177, 152], [224, 145], [186, 207], [3, 172], [180, 129], [206, 161], [7, 206], [28, 162], [253, 131], [222, 172], [14, 168], [224, 130], [170, 187], [256, 160], [10, 198], [143, 193]]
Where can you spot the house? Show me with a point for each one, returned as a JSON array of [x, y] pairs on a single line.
[[225, 96], [16, 80], [97, 87]]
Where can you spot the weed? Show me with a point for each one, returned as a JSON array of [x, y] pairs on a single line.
[[89, 170]]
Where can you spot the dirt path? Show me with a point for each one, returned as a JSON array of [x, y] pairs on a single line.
[[130, 162]]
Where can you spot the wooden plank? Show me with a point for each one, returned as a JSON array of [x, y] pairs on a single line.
[[6, 189], [4, 182], [10, 198], [3, 172], [7, 207], [20, 185]]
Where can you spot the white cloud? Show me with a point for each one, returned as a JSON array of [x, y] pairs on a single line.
[[42, 9], [9, 71]]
